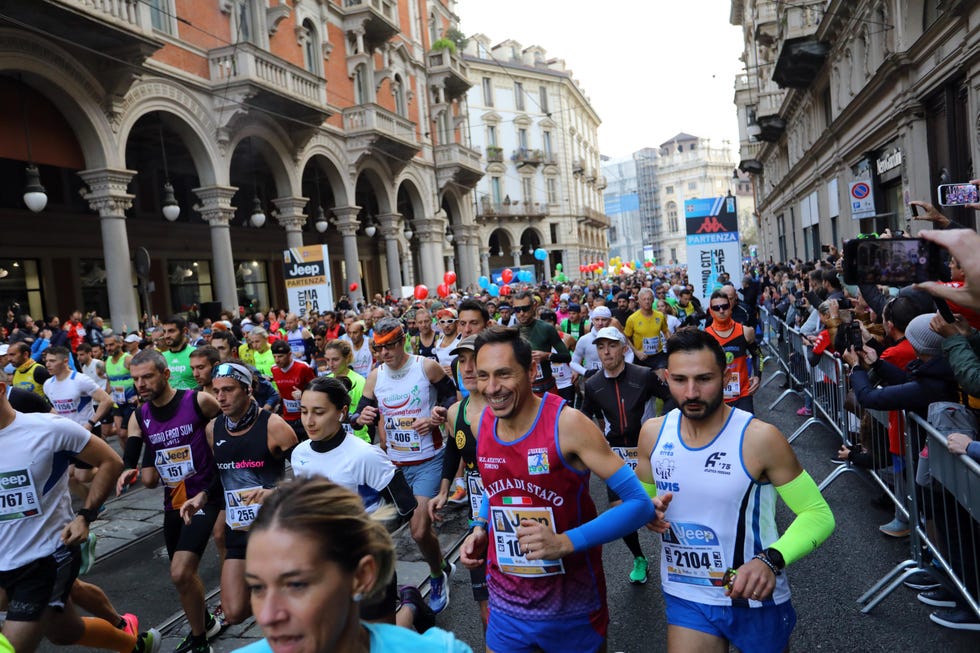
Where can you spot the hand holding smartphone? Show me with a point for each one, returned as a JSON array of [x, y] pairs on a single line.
[[958, 194]]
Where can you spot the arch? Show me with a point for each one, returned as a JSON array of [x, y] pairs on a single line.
[[57, 76], [187, 117], [504, 241], [413, 195], [332, 161], [377, 175], [421, 187], [453, 207], [532, 235], [270, 141]]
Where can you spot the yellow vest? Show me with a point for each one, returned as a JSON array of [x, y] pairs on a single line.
[[24, 378]]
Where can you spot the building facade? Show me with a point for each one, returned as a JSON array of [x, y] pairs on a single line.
[[539, 137], [267, 124], [622, 202], [848, 110], [687, 167]]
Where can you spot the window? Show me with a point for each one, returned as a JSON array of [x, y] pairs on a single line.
[[312, 55], [692, 185], [362, 93], [495, 190], [522, 139], [828, 109], [398, 90], [519, 96], [162, 15], [552, 185], [546, 141], [487, 91], [190, 283], [433, 28], [22, 285], [673, 255], [672, 217], [543, 98], [781, 233], [244, 28], [528, 189], [252, 284], [554, 233], [492, 135], [669, 190]]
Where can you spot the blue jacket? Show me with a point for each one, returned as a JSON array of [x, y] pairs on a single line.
[[913, 388]]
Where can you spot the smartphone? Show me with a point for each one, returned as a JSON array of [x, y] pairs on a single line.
[[915, 210], [854, 337], [958, 194], [825, 248], [893, 261]]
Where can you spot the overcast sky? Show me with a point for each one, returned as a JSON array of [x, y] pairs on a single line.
[[652, 68]]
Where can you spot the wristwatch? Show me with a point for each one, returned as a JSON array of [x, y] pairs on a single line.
[[775, 557], [93, 423], [88, 514]]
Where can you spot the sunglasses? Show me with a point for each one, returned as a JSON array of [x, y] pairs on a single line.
[[523, 309], [721, 307], [391, 346], [446, 321]]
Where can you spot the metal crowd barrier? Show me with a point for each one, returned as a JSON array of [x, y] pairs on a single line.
[[792, 351]]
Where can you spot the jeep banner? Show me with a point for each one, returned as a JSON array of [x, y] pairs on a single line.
[[712, 244], [307, 274]]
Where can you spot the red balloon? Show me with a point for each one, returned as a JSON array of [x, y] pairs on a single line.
[[507, 275], [449, 278], [353, 287], [505, 290], [442, 290], [601, 264], [421, 292]]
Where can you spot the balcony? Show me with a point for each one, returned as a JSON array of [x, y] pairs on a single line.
[[371, 129], [378, 19], [578, 166], [495, 154], [801, 55], [598, 218], [507, 210], [458, 164], [446, 70], [527, 157], [268, 82]]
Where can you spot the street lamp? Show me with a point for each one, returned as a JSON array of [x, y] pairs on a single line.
[[171, 210], [35, 197], [321, 223], [408, 232], [258, 215]]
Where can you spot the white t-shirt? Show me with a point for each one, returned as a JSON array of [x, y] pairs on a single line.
[[72, 398], [363, 361], [34, 501], [356, 465], [586, 355], [442, 353]]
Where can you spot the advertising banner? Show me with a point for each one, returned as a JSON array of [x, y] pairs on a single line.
[[712, 244], [307, 274]]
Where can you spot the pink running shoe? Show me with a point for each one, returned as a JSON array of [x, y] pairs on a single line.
[[132, 624], [804, 412]]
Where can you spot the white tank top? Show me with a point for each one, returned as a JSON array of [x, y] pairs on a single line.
[[362, 358], [562, 373], [442, 353], [296, 344], [401, 401], [720, 516]]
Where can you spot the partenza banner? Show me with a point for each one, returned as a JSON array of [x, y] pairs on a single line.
[[307, 274], [712, 244]]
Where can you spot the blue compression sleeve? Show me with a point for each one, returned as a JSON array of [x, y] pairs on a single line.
[[635, 511], [484, 508]]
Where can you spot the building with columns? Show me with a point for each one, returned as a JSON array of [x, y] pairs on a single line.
[[257, 125], [848, 110], [539, 138]]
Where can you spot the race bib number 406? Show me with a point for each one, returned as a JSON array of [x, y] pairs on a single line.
[[18, 497], [510, 557]]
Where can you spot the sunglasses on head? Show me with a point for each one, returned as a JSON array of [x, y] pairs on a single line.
[[523, 309], [721, 307], [447, 321]]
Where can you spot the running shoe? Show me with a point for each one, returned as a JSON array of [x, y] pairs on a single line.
[[895, 528], [956, 618], [423, 618], [459, 495], [88, 554], [639, 574], [219, 614], [938, 598], [804, 412], [213, 626], [188, 645], [923, 581], [132, 624], [439, 589], [148, 642]]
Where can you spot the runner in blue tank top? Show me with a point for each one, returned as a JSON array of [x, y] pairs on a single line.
[[719, 470]]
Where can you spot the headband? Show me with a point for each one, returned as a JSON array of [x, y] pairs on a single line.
[[391, 336], [234, 371]]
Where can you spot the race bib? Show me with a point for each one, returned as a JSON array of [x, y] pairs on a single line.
[[175, 464], [510, 557], [596, 365], [631, 455], [239, 515], [18, 497], [64, 406], [538, 372], [401, 436], [651, 345], [348, 429], [734, 387], [475, 486], [290, 405], [119, 395], [562, 372], [693, 555]]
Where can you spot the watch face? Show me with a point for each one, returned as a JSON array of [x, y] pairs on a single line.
[[776, 558]]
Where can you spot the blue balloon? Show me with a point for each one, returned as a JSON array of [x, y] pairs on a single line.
[[484, 282], [526, 276], [540, 254], [494, 290]]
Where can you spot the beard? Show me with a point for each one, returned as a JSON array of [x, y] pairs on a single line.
[[703, 409]]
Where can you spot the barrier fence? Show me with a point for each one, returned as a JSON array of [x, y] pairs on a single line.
[[935, 492]]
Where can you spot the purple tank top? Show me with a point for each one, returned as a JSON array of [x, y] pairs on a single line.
[[175, 435]]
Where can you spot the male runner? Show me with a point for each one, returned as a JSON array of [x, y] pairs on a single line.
[[585, 358], [203, 359], [249, 447], [172, 422], [28, 374], [543, 338], [647, 330], [121, 387], [291, 378], [544, 570], [402, 390], [361, 348], [177, 350], [738, 342], [40, 537], [618, 396], [722, 559], [299, 338]]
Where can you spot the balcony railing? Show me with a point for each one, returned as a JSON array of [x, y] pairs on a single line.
[[506, 209], [248, 63], [456, 154], [525, 156], [495, 154], [447, 69], [597, 216], [378, 18], [371, 117], [129, 12]]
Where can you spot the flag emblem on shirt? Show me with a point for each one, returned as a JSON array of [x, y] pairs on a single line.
[[517, 501]]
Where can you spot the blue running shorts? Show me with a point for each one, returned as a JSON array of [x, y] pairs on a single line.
[[761, 630], [580, 633]]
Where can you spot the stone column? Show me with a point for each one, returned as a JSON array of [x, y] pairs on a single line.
[[431, 235], [408, 278], [216, 209], [292, 218], [390, 226], [107, 195], [485, 263], [348, 225], [515, 252]]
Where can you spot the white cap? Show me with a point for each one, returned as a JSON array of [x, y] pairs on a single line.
[[610, 333], [133, 337], [600, 311], [4, 349]]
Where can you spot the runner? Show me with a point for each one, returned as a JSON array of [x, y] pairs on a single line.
[[722, 558], [28, 374], [337, 357], [249, 448], [448, 323], [742, 380], [40, 537], [299, 338], [585, 358], [424, 344], [646, 330], [360, 346], [121, 387], [173, 424], [544, 572], [203, 361], [543, 338], [402, 392], [618, 396], [291, 378], [177, 350], [564, 380]]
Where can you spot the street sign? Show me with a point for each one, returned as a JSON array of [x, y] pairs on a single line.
[[862, 199]]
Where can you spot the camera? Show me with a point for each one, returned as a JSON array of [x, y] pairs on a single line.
[[892, 261], [854, 338]]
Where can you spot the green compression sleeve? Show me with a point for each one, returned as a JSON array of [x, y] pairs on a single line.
[[814, 521], [651, 489]]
